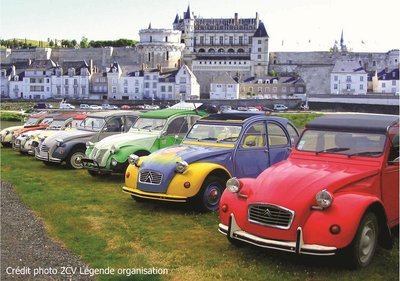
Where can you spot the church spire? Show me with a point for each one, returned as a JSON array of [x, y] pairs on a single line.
[[176, 19]]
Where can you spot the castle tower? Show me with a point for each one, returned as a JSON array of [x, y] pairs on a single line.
[[188, 37], [160, 47], [259, 55]]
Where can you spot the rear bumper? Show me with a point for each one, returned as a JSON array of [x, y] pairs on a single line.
[[154, 196], [234, 232]]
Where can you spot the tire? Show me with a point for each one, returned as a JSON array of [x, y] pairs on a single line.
[[74, 159], [362, 249], [210, 194], [6, 144]]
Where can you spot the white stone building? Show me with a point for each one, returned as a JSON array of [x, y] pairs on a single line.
[[386, 81], [224, 87], [348, 78]]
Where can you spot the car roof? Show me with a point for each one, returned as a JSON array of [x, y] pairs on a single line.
[[240, 117], [374, 123], [168, 112], [102, 114]]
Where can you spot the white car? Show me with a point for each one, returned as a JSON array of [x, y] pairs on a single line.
[[66, 106], [280, 107], [95, 107], [84, 106]]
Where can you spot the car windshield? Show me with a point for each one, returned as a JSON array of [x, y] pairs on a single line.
[[148, 124], [347, 143], [31, 121], [217, 133], [56, 125], [47, 121], [92, 124]]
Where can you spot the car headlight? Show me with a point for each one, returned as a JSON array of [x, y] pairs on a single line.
[[113, 149], [181, 166], [7, 132], [133, 159], [59, 142], [42, 139], [324, 199], [114, 162], [233, 185]]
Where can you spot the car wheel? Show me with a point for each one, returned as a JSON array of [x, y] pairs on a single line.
[[6, 144], [210, 194], [74, 160], [364, 244]]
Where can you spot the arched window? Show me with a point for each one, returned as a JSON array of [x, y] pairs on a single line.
[[221, 50], [211, 50], [231, 50], [202, 50], [240, 50]]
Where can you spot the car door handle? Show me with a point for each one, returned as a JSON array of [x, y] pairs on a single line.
[[266, 150]]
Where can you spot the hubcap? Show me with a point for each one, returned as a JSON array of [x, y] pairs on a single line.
[[212, 196], [76, 160], [367, 242]]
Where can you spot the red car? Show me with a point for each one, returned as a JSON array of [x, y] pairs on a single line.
[[338, 192]]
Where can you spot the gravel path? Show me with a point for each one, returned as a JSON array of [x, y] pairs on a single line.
[[27, 253]]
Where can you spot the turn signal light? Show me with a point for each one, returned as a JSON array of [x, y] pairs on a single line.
[[224, 208], [127, 174]]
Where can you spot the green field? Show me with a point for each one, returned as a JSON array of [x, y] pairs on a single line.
[[106, 228]]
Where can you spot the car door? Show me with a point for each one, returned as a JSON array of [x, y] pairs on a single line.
[[279, 142], [252, 153], [390, 179], [113, 125], [175, 131]]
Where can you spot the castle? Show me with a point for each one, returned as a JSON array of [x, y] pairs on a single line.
[[209, 48]]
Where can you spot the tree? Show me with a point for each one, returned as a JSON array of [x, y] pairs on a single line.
[[84, 42]]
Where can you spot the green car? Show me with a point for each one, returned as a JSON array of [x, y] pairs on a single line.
[[152, 131]]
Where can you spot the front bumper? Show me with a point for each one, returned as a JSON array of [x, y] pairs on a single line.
[[234, 232], [45, 156], [93, 165], [154, 196]]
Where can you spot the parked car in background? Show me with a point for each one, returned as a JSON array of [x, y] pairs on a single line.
[[95, 107], [84, 106], [69, 147], [338, 192], [251, 108], [216, 148], [152, 131], [66, 106], [125, 107], [42, 105], [107, 106], [28, 141], [280, 107]]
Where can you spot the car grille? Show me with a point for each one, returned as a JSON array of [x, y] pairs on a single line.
[[150, 177], [44, 148], [270, 215], [98, 154]]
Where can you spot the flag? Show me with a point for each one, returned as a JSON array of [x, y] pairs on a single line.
[[362, 42]]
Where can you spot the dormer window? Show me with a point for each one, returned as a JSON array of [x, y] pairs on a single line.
[[114, 69], [71, 71]]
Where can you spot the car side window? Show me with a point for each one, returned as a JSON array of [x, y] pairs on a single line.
[[114, 124], [178, 126], [394, 149], [130, 120], [255, 136], [294, 136], [276, 135]]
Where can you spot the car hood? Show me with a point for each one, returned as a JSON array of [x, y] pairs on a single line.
[[188, 153], [295, 182], [10, 129], [121, 140], [31, 133], [70, 135]]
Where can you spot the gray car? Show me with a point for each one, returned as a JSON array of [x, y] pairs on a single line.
[[69, 147]]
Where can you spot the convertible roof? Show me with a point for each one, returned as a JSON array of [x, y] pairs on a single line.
[[238, 116], [354, 122], [167, 112]]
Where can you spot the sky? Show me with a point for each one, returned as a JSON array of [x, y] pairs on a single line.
[[292, 25]]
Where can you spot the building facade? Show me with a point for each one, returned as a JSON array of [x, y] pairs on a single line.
[[224, 87], [348, 78]]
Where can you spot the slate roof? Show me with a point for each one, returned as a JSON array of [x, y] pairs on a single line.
[[348, 66], [261, 31], [224, 79], [77, 65], [42, 64], [386, 74]]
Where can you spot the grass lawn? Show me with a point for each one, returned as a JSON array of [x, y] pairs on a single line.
[[106, 228], [94, 219]]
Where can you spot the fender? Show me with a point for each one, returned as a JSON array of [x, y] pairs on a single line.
[[133, 173], [196, 173], [62, 151], [346, 211], [124, 152]]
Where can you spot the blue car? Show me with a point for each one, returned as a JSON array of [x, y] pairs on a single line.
[[217, 147]]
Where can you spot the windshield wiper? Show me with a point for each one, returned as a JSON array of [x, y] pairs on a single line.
[[333, 149], [145, 127], [365, 153], [206, 139], [228, 139]]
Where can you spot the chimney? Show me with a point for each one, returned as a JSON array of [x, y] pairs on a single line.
[[236, 19], [257, 20], [13, 72], [386, 69], [142, 67]]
